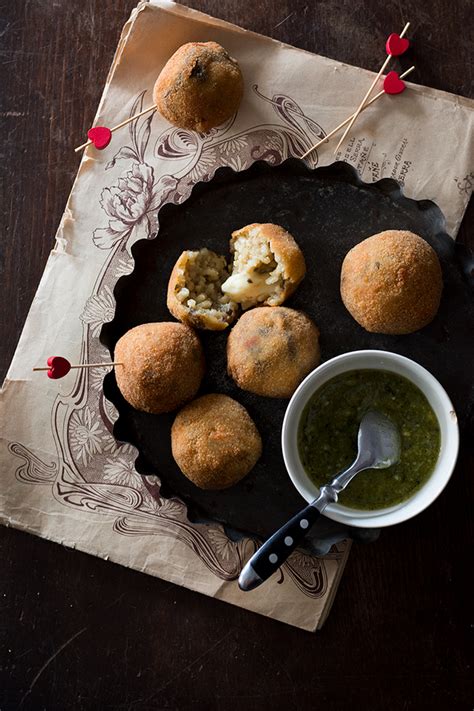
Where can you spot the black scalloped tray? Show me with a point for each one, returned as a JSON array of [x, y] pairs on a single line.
[[328, 210]]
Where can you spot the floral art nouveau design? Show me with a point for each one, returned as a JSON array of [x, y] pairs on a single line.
[[85, 435], [99, 309]]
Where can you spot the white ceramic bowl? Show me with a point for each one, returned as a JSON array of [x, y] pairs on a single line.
[[436, 396]]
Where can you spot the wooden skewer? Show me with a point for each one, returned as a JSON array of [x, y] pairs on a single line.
[[119, 125], [84, 365], [346, 121], [361, 106]]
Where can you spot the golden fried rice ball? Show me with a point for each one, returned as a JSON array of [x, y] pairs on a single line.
[[392, 282], [199, 87], [268, 266], [194, 291], [271, 350], [162, 366], [215, 442]]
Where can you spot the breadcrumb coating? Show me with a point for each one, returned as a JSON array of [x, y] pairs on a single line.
[[271, 349], [392, 282], [199, 87], [162, 366], [215, 442]]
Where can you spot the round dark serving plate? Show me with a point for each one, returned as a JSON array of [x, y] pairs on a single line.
[[328, 210]]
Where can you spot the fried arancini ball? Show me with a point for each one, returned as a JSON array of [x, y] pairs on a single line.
[[162, 365], [194, 291], [392, 282], [199, 87], [268, 265], [215, 442], [271, 350]]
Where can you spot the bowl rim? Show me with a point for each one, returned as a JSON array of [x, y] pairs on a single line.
[[439, 401]]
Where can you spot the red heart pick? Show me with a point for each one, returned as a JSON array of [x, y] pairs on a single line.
[[58, 367], [100, 136], [396, 45], [392, 84]]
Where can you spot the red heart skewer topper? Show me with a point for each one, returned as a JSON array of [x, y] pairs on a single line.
[[58, 367], [396, 45], [392, 84], [100, 136]]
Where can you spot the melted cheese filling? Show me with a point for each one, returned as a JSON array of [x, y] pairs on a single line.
[[256, 274]]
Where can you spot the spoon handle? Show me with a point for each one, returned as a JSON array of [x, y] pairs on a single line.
[[268, 558]]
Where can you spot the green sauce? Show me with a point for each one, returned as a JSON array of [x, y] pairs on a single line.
[[327, 436]]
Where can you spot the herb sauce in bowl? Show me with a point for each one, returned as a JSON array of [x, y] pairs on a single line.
[[327, 436]]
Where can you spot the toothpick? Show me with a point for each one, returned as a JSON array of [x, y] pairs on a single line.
[[119, 125], [346, 121], [83, 365], [381, 71]]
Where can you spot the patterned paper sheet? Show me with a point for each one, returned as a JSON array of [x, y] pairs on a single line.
[[64, 476]]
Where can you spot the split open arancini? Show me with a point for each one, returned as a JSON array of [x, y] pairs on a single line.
[[267, 266]]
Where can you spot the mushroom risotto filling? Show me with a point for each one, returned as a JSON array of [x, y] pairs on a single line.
[[200, 286]]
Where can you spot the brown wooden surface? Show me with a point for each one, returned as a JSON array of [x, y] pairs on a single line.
[[79, 633]]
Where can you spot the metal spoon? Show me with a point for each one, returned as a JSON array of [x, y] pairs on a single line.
[[378, 444]]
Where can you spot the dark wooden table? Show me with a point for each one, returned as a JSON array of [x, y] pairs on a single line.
[[79, 633]]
